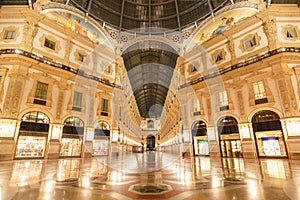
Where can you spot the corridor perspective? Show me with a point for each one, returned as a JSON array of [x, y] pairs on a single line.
[[151, 175]]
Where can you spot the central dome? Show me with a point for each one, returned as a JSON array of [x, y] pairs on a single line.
[[149, 16]]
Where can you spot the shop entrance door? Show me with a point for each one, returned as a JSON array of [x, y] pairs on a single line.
[[231, 148]]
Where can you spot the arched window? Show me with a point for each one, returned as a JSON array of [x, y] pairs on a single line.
[[102, 129], [36, 117], [73, 125], [266, 120], [150, 124], [199, 129], [35, 121], [102, 125], [228, 125]]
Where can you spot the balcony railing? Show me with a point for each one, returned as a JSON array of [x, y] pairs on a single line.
[[242, 64], [52, 63]]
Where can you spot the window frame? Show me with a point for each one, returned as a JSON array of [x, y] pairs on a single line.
[[223, 98], [6, 34], [50, 44], [104, 107], [77, 102], [40, 95]]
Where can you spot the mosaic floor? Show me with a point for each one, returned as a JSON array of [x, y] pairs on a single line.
[[152, 175]]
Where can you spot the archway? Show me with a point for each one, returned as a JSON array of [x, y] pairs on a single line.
[[200, 140], [268, 134], [33, 135], [101, 138], [229, 137], [150, 143], [72, 135]]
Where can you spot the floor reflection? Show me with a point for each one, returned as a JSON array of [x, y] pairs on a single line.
[[140, 176]]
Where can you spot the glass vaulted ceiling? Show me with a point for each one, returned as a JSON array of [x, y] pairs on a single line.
[[150, 66], [149, 16]]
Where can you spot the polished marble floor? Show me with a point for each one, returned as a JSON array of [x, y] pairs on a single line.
[[152, 175]]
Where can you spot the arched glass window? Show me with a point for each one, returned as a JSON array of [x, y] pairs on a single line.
[[73, 125], [102, 129], [73, 121], [36, 117], [199, 129], [35, 121], [103, 125], [265, 116], [266, 120], [227, 125]]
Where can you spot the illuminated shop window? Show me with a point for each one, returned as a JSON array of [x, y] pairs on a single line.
[[77, 101], [49, 43], [41, 91], [259, 92]]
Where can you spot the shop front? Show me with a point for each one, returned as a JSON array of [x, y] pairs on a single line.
[[33, 136], [268, 134], [71, 143], [231, 146], [101, 139], [200, 140], [229, 137]]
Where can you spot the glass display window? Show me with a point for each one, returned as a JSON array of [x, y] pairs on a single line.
[[270, 143], [30, 147], [201, 145], [70, 147]]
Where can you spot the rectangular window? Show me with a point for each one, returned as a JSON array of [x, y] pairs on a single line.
[[218, 57], [9, 35], [107, 69], [250, 43], [193, 69], [77, 101], [223, 100], [40, 96], [196, 107], [291, 33], [104, 107], [81, 57], [50, 44], [259, 90]]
